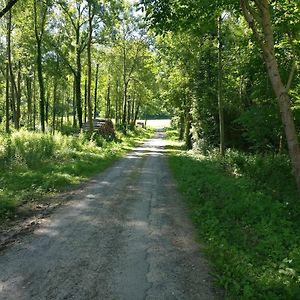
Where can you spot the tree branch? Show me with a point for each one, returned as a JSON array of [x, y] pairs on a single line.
[[291, 76], [8, 7]]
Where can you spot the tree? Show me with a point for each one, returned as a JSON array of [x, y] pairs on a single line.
[[8, 7], [257, 14], [40, 10]]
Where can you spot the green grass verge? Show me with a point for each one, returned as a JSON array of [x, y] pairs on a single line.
[[35, 165], [246, 209]]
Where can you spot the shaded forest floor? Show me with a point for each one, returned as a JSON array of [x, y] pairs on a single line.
[[247, 209], [34, 167]]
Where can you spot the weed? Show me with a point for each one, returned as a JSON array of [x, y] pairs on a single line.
[[33, 165], [246, 207]]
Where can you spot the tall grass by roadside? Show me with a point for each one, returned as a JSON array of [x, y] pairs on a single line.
[[35, 164], [247, 209]]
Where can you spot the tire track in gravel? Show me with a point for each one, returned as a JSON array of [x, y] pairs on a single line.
[[125, 235]]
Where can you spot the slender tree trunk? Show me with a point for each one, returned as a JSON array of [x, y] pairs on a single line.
[[89, 62], [18, 96], [68, 109], [124, 116], [11, 74], [8, 7], [74, 103], [29, 102], [128, 111], [266, 42], [7, 102], [117, 118], [220, 90], [286, 115], [47, 107], [78, 79], [107, 113], [54, 112], [85, 101], [181, 126], [34, 101], [41, 84], [96, 92], [188, 127], [137, 110], [62, 113]]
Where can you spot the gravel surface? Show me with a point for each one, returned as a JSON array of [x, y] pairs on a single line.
[[124, 235]]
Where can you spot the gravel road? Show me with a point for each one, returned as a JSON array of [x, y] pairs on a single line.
[[124, 235]]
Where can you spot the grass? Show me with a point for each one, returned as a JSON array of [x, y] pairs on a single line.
[[35, 165], [247, 210]]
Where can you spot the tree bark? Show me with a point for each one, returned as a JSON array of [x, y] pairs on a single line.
[[220, 92], [7, 102], [11, 73], [107, 112], [8, 7], [29, 102], [85, 101], [89, 62], [54, 105], [96, 92], [41, 84], [18, 94], [266, 42], [78, 78], [74, 103]]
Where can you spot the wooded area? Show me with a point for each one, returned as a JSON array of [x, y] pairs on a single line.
[[231, 72], [67, 62], [226, 72]]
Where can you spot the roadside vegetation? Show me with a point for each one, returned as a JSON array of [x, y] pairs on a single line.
[[36, 165], [246, 209]]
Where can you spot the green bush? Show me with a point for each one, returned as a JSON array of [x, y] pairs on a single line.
[[246, 207], [34, 164]]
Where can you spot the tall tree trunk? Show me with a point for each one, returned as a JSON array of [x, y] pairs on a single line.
[[220, 90], [29, 102], [137, 110], [107, 111], [266, 42], [47, 106], [89, 62], [128, 110], [85, 101], [7, 102], [18, 97], [34, 101], [68, 109], [41, 84], [117, 115], [124, 116], [181, 126], [11, 73], [74, 103], [78, 78], [54, 112], [62, 112], [96, 92], [188, 127]]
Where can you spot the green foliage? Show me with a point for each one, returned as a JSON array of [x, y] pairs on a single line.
[[246, 208], [264, 133], [34, 165]]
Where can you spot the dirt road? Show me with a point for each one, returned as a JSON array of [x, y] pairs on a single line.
[[125, 235]]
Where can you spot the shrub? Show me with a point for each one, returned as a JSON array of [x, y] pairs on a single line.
[[246, 207]]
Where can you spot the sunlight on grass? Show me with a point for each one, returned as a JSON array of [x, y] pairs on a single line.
[[246, 208], [34, 165]]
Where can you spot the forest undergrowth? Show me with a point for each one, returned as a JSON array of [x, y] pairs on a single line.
[[35, 165], [247, 210]]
